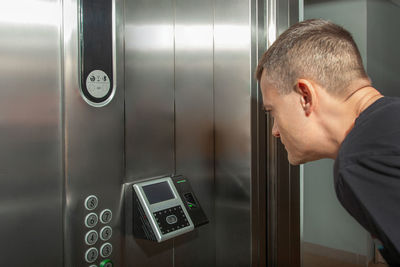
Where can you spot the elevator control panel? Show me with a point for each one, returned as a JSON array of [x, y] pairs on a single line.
[[165, 208], [97, 51], [98, 233]]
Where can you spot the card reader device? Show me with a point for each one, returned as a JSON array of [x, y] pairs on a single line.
[[165, 208]]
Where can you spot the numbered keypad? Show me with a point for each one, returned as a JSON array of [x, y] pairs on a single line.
[[106, 233], [100, 231], [91, 202], [91, 237], [91, 255], [91, 220], [105, 250], [105, 216]]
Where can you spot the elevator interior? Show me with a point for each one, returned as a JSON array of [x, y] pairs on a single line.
[[178, 97]]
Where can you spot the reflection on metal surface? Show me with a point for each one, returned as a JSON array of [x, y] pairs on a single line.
[[30, 133], [232, 133], [148, 37], [193, 37], [232, 37], [194, 121], [149, 88], [149, 111], [271, 22], [31, 13], [271, 33]]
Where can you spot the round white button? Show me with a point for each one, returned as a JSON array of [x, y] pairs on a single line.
[[105, 250], [98, 83], [91, 255], [106, 233], [91, 237], [93, 265], [91, 202], [91, 220], [106, 216]]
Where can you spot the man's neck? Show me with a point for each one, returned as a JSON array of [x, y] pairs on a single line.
[[366, 98], [342, 120]]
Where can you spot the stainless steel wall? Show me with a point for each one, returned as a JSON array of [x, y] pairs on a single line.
[[232, 128], [31, 184], [188, 97], [149, 111], [93, 146], [182, 105], [194, 122]]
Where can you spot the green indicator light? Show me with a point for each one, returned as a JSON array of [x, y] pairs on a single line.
[[190, 205], [181, 181], [106, 263]]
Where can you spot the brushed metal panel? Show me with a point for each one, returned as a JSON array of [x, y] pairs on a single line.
[[149, 111], [194, 123], [149, 68], [259, 145], [30, 133], [232, 74], [94, 146]]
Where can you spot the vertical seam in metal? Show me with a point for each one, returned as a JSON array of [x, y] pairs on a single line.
[[123, 223], [251, 200], [174, 91], [214, 133], [288, 14], [258, 176], [124, 88], [254, 128], [174, 95], [62, 130]]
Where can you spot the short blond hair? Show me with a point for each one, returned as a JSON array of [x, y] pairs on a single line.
[[315, 49]]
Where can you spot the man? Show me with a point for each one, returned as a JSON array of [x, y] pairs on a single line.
[[315, 87]]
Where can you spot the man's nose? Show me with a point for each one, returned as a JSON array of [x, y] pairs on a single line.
[[275, 130]]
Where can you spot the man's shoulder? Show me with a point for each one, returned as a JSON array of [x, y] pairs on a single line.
[[376, 130]]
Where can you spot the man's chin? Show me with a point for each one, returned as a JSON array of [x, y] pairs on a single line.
[[296, 160]]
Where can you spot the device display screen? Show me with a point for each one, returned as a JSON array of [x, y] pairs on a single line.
[[158, 192]]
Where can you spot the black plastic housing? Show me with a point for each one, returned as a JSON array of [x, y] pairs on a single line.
[[187, 195]]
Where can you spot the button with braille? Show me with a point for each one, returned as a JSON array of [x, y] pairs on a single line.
[[105, 250], [106, 233], [91, 255], [91, 237], [106, 216], [91, 202]]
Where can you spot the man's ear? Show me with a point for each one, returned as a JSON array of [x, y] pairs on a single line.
[[308, 96]]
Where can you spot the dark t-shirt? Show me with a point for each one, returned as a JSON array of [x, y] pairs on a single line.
[[367, 174]]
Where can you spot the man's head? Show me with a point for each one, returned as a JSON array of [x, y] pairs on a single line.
[[312, 59]]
